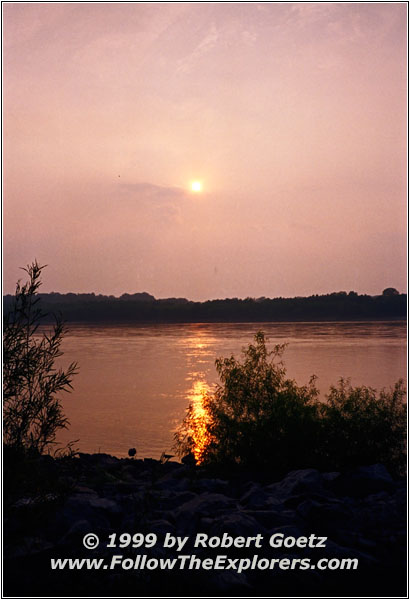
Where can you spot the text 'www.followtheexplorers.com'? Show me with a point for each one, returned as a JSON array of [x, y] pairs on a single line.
[[194, 562]]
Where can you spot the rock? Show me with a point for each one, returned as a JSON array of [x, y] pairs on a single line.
[[363, 481], [37, 501], [173, 481], [119, 488], [171, 471], [105, 504], [294, 501], [28, 547], [329, 477], [171, 465], [236, 524], [98, 511], [128, 473], [94, 501], [205, 504], [178, 499], [256, 497], [287, 530], [83, 489], [363, 513], [101, 459], [268, 519], [188, 516], [169, 501], [161, 527], [135, 464], [296, 482], [217, 486], [77, 530], [326, 516]]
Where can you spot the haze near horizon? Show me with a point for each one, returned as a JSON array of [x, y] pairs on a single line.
[[206, 150]]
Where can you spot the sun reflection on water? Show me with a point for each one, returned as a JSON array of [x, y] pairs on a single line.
[[199, 418]]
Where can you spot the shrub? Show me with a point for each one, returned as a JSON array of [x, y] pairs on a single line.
[[363, 427], [258, 418], [32, 414]]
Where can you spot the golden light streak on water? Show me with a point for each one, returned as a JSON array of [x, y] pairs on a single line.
[[199, 418]]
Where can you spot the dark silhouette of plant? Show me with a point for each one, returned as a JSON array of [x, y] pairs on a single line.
[[257, 418], [364, 427], [32, 412], [390, 292], [142, 307]]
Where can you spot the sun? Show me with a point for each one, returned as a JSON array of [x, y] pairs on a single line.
[[196, 186]]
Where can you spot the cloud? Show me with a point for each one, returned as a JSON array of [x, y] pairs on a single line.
[[158, 202], [208, 42], [151, 192]]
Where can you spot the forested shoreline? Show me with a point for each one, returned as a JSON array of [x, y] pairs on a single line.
[[143, 307]]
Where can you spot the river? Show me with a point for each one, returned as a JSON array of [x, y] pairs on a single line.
[[135, 382]]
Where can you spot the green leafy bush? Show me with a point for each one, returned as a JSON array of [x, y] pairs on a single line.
[[32, 412], [364, 427], [258, 418]]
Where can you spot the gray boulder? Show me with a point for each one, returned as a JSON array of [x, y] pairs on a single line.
[[206, 504], [256, 497], [236, 524], [297, 482], [363, 481]]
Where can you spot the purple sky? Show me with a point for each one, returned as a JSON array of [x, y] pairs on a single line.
[[293, 117]]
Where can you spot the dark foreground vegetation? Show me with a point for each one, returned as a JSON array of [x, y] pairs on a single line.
[[32, 410], [142, 307], [263, 457], [258, 418]]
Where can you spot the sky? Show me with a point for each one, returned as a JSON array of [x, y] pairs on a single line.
[[292, 116]]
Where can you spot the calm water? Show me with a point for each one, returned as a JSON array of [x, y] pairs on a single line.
[[135, 382]]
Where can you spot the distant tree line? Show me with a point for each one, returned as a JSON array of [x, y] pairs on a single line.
[[143, 307]]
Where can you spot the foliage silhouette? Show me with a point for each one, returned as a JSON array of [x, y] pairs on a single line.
[[257, 418], [363, 427], [390, 292], [32, 414], [142, 307]]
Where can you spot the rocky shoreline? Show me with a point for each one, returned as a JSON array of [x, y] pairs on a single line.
[[361, 514]]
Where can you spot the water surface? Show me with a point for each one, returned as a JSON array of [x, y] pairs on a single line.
[[135, 382]]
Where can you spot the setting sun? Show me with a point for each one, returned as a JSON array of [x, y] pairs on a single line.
[[196, 186]]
